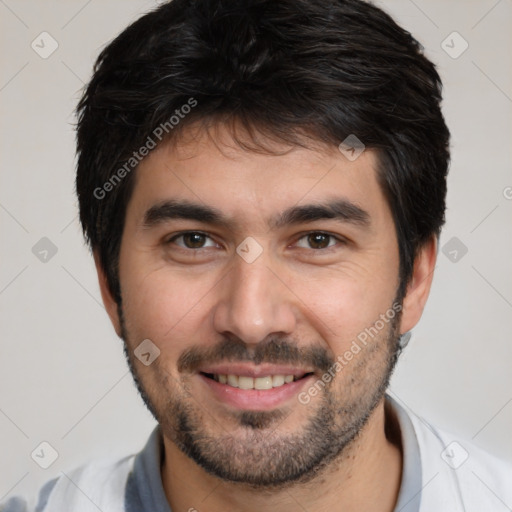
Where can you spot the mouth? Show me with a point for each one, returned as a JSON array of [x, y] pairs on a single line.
[[256, 388], [260, 383]]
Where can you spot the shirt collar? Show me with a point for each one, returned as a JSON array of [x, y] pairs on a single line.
[[145, 492]]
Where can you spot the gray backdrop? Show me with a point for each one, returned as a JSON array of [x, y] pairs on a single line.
[[63, 379]]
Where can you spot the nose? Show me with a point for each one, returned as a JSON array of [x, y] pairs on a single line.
[[255, 302]]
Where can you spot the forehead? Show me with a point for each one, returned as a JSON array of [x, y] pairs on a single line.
[[249, 185]]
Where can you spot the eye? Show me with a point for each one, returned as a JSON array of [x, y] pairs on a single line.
[[317, 240], [192, 240]]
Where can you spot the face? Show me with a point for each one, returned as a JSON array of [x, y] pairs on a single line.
[[255, 276]]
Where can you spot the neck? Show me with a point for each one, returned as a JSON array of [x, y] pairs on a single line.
[[367, 474]]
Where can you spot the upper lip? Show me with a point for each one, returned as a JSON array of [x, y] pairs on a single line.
[[250, 370]]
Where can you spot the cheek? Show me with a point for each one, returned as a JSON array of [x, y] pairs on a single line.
[[166, 307], [340, 307]]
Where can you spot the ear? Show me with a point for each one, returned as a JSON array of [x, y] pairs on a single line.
[[418, 288], [106, 295]]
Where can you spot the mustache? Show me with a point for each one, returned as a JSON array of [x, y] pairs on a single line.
[[276, 351]]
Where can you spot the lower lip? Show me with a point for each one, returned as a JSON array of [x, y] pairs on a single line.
[[255, 399]]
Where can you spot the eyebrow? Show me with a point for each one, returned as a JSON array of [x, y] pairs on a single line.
[[338, 209], [172, 209]]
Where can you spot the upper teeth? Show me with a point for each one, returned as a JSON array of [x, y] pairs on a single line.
[[243, 382]]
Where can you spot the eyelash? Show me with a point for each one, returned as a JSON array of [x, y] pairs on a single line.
[[340, 240]]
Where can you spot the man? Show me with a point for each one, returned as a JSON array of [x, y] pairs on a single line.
[[263, 185]]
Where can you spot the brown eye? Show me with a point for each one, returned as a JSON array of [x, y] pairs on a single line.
[[192, 240], [318, 240]]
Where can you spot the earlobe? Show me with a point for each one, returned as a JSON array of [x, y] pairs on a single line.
[[419, 285], [108, 301]]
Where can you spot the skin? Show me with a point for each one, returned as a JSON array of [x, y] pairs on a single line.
[[182, 298]]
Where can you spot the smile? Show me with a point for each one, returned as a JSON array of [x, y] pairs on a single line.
[[254, 389], [260, 383]]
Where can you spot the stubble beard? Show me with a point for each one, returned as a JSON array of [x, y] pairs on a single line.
[[250, 449]]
